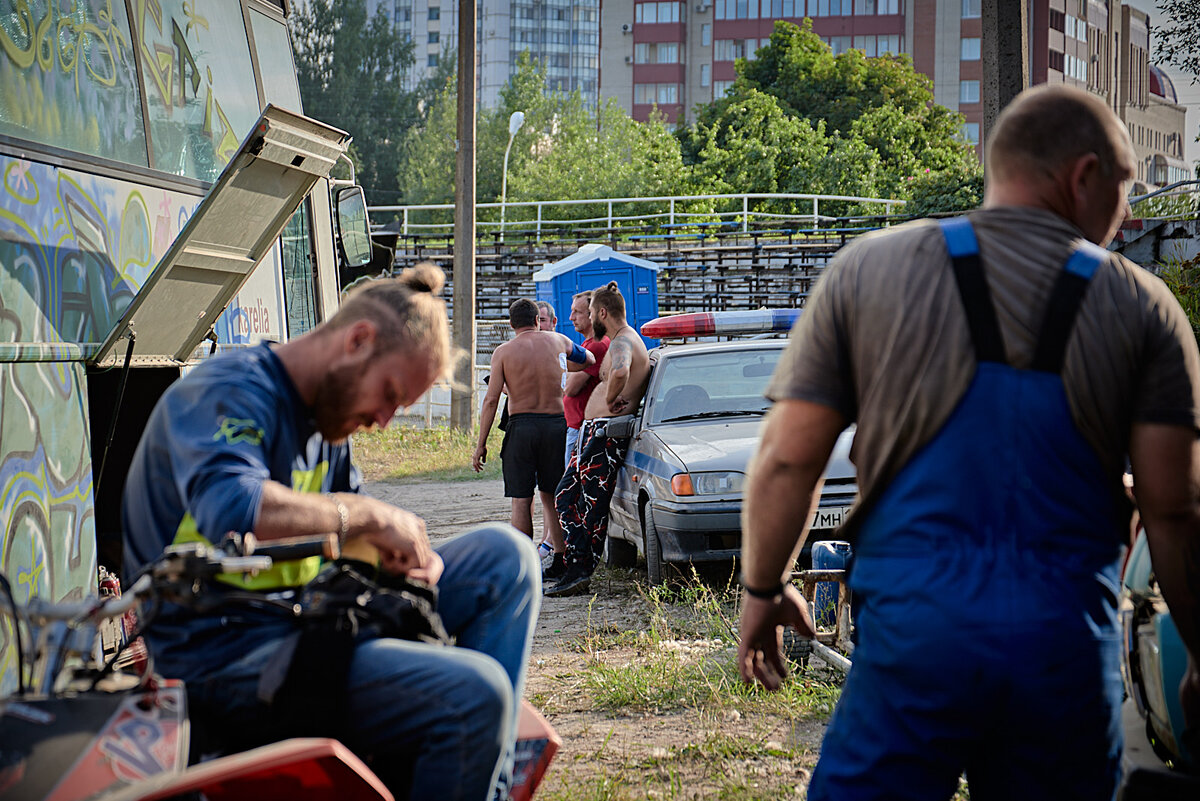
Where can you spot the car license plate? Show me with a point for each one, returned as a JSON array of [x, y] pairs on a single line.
[[829, 517]]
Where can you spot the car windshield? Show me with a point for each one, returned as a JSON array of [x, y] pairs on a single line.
[[720, 383]]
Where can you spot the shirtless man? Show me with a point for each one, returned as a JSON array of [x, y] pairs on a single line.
[[528, 368], [547, 320], [587, 486]]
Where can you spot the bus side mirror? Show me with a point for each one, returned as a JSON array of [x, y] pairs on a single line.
[[354, 232]]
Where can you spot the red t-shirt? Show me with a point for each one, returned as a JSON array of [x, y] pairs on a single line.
[[573, 405]]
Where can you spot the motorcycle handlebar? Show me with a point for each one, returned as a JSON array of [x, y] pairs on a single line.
[[282, 550], [188, 562]]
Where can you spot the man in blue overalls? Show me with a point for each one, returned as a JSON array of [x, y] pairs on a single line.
[[1000, 367]]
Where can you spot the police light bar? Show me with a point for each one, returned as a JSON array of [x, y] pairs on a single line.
[[700, 324]]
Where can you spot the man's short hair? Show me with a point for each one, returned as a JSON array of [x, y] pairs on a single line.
[[547, 308], [585, 294], [523, 313], [608, 297], [1049, 126], [407, 312]]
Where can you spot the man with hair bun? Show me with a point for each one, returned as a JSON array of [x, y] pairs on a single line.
[[1001, 368], [255, 440], [587, 485]]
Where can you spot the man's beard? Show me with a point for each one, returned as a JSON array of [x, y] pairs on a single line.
[[336, 393], [598, 330]]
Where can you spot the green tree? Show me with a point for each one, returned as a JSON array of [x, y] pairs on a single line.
[[601, 153], [351, 71], [426, 156], [953, 189], [565, 150], [750, 144], [875, 118], [1179, 40]]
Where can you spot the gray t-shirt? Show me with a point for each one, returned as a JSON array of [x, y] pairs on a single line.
[[884, 339]]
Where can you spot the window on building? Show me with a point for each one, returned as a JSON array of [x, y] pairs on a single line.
[[970, 132], [733, 49], [435, 13], [1076, 28], [1075, 68], [705, 74], [432, 60], [970, 48], [968, 91], [839, 44], [434, 36], [656, 53], [405, 15], [970, 8], [865, 44], [652, 13], [706, 35], [720, 88], [660, 93], [1055, 61], [874, 45], [1058, 20], [867, 8]]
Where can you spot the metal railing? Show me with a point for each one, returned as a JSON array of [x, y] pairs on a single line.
[[673, 216]]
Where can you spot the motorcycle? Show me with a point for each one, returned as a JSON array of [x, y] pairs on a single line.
[[1157, 764], [84, 724]]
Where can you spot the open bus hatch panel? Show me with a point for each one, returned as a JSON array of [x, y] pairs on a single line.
[[231, 231]]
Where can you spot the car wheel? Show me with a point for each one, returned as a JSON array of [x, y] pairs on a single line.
[[620, 553], [654, 561]]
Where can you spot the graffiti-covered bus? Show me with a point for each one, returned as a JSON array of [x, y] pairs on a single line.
[[160, 197]]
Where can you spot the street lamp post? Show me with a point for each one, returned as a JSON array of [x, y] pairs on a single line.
[[514, 124]]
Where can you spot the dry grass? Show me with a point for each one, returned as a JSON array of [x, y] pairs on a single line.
[[402, 453]]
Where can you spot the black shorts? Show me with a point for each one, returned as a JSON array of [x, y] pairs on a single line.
[[532, 453]]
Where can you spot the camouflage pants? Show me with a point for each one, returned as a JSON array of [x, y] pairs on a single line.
[[584, 494]]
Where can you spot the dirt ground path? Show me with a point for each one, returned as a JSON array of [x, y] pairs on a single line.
[[628, 751], [452, 507]]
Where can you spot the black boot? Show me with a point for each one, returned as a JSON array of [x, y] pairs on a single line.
[[576, 580], [556, 568]]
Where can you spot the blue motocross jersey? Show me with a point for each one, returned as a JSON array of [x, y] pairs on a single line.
[[214, 437]]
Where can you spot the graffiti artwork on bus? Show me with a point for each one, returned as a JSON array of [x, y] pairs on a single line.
[[47, 545], [68, 78], [75, 248]]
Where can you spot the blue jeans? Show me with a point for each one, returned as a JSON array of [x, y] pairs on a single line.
[[450, 712], [572, 444]]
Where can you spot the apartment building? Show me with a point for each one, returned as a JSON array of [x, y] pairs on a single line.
[[563, 35], [675, 55]]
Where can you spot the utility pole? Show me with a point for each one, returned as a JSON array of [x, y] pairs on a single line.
[[462, 393], [1005, 54]]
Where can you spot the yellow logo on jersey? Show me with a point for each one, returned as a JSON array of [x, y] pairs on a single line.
[[234, 430]]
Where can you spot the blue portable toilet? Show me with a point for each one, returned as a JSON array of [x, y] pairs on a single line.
[[591, 267]]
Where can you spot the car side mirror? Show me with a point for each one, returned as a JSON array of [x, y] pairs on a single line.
[[354, 231]]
